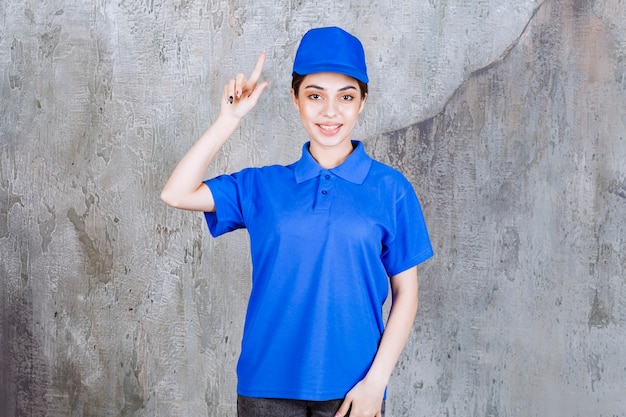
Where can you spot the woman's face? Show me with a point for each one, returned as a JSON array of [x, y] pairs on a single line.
[[329, 106]]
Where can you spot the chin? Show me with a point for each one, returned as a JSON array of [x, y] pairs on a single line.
[[331, 142]]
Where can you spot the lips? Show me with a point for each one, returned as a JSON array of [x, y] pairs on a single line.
[[329, 129]]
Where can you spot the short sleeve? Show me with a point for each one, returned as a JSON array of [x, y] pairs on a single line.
[[228, 215], [409, 245]]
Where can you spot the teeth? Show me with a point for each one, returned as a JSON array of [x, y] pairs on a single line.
[[329, 127]]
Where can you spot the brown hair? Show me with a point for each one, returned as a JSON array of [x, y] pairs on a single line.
[[297, 79]]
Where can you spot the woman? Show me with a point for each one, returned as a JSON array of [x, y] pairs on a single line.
[[327, 234]]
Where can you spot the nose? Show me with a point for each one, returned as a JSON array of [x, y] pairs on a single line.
[[330, 108]]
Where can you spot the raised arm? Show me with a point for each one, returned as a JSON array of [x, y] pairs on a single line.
[[185, 189]]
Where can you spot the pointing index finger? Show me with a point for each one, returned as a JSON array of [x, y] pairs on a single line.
[[258, 68]]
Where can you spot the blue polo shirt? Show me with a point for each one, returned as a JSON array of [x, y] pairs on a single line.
[[324, 243]]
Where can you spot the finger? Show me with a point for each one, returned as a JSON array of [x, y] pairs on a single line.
[[343, 410], [231, 90], [254, 97], [258, 68], [240, 84]]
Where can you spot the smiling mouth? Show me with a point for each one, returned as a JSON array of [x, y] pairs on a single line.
[[329, 128]]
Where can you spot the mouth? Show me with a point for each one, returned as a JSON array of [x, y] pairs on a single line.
[[329, 129]]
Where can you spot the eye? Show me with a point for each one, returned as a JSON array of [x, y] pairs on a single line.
[[315, 96], [347, 97]]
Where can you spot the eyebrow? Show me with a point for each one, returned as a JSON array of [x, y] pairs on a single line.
[[317, 87]]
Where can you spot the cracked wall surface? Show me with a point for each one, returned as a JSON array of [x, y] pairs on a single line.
[[522, 175], [508, 117]]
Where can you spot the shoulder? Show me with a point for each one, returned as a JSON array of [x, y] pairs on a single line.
[[393, 179], [384, 169], [264, 171], [268, 175]]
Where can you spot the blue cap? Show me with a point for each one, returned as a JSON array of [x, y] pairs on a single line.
[[331, 49]]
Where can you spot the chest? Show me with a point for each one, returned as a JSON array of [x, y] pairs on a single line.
[[326, 207]]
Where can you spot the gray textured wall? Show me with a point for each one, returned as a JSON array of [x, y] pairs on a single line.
[[509, 117]]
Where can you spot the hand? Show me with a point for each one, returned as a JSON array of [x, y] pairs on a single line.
[[364, 400], [241, 94]]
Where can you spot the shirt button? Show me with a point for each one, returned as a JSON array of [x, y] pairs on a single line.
[[324, 192], [327, 177]]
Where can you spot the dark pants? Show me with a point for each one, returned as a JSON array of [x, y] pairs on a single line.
[[275, 407]]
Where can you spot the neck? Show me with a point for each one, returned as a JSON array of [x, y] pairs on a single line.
[[330, 157]]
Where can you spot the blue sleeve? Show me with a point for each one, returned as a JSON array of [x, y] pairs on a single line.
[[228, 215], [410, 244]]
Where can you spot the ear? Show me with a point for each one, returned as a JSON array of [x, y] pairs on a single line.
[[294, 100], [363, 103]]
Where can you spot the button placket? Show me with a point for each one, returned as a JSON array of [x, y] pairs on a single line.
[[324, 191]]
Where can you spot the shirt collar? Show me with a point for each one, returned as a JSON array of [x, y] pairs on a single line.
[[354, 169]]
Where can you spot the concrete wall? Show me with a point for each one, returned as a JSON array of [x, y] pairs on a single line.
[[509, 118]]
